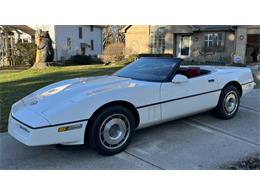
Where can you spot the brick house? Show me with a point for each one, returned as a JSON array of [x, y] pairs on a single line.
[[215, 43]]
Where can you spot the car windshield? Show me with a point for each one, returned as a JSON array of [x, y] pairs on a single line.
[[149, 69]]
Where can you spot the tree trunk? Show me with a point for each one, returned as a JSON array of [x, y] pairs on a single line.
[[40, 65]]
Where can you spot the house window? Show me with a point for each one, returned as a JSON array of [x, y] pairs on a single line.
[[157, 41], [213, 40], [91, 28], [92, 45], [69, 42], [80, 32]]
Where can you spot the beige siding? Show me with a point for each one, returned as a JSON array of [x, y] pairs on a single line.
[[137, 39]]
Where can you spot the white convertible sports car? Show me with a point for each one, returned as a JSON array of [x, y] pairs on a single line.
[[104, 111]]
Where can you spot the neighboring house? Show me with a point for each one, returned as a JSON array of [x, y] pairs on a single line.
[[9, 36], [12, 34], [69, 40], [17, 33], [198, 42]]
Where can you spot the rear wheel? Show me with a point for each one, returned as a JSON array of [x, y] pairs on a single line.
[[111, 131], [228, 103]]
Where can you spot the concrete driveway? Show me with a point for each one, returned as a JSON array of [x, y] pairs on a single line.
[[197, 142]]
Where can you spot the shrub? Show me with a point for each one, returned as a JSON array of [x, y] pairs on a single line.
[[96, 59], [80, 59], [113, 52], [24, 54]]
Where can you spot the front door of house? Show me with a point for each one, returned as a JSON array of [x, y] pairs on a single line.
[[183, 46]]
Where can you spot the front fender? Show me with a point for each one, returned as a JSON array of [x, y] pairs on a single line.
[[82, 106]]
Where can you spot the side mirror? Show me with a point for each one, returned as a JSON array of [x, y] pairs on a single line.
[[179, 78]]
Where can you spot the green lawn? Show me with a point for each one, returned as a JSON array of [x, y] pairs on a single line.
[[16, 84]]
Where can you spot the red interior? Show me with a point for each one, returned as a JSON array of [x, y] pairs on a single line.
[[193, 72]]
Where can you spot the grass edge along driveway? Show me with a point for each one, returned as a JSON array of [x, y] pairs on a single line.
[[15, 85]]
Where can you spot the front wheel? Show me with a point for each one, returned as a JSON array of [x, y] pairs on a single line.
[[111, 131], [228, 103]]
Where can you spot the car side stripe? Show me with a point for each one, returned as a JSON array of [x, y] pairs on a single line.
[[185, 97], [166, 101], [46, 126]]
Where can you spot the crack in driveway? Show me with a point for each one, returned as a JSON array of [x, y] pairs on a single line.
[[139, 158]]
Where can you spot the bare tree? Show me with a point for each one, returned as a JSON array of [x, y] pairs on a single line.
[[6, 45], [113, 34]]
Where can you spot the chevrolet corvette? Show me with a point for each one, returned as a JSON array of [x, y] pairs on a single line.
[[105, 111]]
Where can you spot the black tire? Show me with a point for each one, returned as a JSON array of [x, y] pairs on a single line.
[[97, 140], [221, 110]]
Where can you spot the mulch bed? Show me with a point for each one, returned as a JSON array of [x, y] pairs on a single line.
[[251, 163]]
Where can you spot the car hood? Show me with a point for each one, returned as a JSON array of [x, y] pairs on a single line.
[[67, 91]]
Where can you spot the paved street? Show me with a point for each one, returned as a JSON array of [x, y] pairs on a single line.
[[197, 142]]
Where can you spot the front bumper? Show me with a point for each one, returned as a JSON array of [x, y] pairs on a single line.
[[46, 135]]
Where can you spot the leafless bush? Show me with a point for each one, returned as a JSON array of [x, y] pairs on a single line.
[[113, 52]]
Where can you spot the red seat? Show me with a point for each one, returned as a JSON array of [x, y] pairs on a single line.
[[193, 72]]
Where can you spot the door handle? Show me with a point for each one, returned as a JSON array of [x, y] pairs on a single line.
[[211, 80]]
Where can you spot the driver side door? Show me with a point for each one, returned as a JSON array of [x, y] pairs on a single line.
[[189, 97]]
